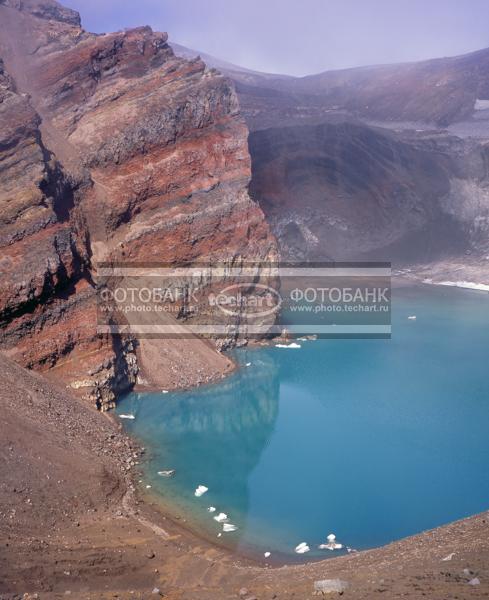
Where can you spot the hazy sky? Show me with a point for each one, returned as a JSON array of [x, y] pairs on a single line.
[[301, 37]]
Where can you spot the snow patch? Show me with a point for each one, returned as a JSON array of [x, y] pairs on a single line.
[[470, 285], [481, 105]]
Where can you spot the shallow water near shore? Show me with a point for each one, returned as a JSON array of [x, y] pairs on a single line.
[[371, 440]]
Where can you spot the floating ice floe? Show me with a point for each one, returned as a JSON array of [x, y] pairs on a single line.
[[292, 345], [302, 548], [219, 534], [211, 509], [350, 550], [412, 317], [200, 491], [164, 391], [131, 417], [148, 487], [330, 546], [221, 517], [332, 543], [228, 527], [267, 554], [168, 473], [248, 365]]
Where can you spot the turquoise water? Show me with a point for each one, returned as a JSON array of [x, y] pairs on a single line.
[[371, 440]]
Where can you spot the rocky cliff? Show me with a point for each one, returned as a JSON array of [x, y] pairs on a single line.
[[112, 149], [383, 162]]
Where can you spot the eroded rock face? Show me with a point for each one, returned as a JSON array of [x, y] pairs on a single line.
[[347, 191], [112, 150]]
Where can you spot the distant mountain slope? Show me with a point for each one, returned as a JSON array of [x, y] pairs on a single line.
[[440, 91], [235, 72]]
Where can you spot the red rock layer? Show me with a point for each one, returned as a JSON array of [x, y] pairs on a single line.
[[112, 149]]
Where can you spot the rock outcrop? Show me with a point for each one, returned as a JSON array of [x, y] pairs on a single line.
[[112, 150]]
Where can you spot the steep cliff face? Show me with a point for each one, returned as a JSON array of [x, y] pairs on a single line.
[[44, 253], [114, 150]]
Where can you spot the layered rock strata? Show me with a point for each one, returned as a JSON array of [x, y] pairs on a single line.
[[113, 150]]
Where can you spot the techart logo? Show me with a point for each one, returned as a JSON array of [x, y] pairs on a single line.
[[247, 300]]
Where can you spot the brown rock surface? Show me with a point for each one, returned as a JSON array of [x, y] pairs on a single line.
[[113, 150]]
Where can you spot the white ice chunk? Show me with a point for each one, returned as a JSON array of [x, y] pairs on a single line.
[[266, 554], [221, 517], [412, 317], [200, 491], [302, 548], [332, 543], [330, 546], [212, 509], [132, 417], [292, 345], [227, 527], [168, 473]]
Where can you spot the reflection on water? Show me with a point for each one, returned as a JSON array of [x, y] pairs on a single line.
[[371, 440], [213, 436]]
